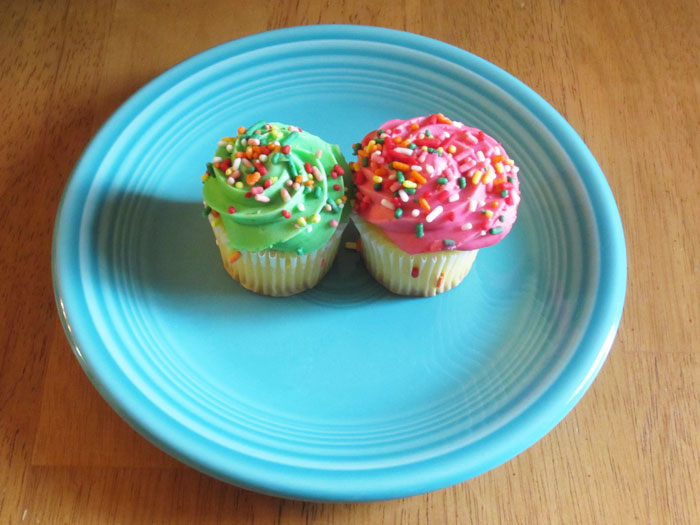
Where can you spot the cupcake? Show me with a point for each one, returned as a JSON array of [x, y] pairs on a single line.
[[430, 193], [275, 197]]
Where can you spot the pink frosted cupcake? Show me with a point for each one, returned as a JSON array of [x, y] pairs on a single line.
[[430, 193]]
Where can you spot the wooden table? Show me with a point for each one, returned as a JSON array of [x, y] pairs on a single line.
[[624, 73]]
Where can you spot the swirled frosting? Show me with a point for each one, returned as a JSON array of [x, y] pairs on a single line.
[[277, 187], [433, 184]]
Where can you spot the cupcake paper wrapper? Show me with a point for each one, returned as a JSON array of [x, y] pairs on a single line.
[[276, 273], [421, 274]]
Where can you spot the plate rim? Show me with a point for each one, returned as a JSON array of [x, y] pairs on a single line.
[[574, 380]]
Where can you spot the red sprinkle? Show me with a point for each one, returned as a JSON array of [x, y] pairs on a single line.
[[336, 187], [415, 271], [360, 178], [286, 149], [308, 168], [248, 195], [267, 183], [231, 210], [286, 214], [214, 213], [339, 169]]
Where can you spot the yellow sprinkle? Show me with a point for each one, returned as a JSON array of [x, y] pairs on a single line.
[[424, 148], [452, 148], [490, 175], [409, 184], [301, 221], [489, 213], [476, 178], [441, 150], [351, 245], [377, 179], [229, 171], [316, 218], [509, 161], [205, 177], [216, 222], [424, 204], [499, 167], [239, 185]]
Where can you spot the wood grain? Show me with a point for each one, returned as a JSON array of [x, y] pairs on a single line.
[[626, 76]]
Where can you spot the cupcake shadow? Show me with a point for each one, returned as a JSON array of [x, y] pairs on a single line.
[[166, 247]]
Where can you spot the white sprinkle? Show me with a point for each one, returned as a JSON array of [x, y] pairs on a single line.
[[262, 158], [415, 212], [471, 138], [453, 197], [482, 203], [464, 167], [404, 151], [221, 143], [507, 168], [395, 186], [229, 147], [317, 174], [289, 182], [496, 150], [285, 194], [483, 232], [430, 169], [327, 207], [237, 163], [254, 142], [467, 226], [403, 195], [296, 186], [341, 205], [262, 198], [231, 180], [392, 176], [422, 156], [301, 206], [318, 153], [244, 142], [472, 205], [309, 228], [489, 152], [388, 204], [417, 168], [433, 214], [246, 162], [480, 156], [216, 159]]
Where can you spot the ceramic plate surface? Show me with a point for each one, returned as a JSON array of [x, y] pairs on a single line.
[[345, 392]]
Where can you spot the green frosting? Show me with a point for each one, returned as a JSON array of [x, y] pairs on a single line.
[[286, 208]]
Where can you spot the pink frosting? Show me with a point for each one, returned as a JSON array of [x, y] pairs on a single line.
[[466, 187]]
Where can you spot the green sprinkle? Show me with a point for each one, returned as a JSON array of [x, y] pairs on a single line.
[[400, 177], [398, 213], [412, 145], [300, 251], [449, 243], [442, 180], [318, 192], [289, 138], [483, 212], [410, 191], [206, 211], [419, 230], [355, 147], [365, 161], [307, 189], [431, 150], [504, 193], [333, 205], [462, 182], [276, 158], [380, 131], [292, 167], [249, 132], [377, 186], [379, 140], [510, 179], [495, 231], [210, 169], [501, 218], [427, 133]]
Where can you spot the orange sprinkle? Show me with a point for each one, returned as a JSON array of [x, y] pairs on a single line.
[[234, 256], [252, 178], [497, 158], [397, 139], [424, 204], [441, 278], [380, 172], [239, 154], [417, 177], [241, 130], [298, 179], [494, 204], [400, 166], [443, 119], [414, 126], [214, 213], [406, 143], [249, 152]]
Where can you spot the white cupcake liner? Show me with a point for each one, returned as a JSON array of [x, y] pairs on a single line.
[[421, 274], [273, 272]]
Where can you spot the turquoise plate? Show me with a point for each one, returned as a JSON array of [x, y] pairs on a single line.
[[345, 392]]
